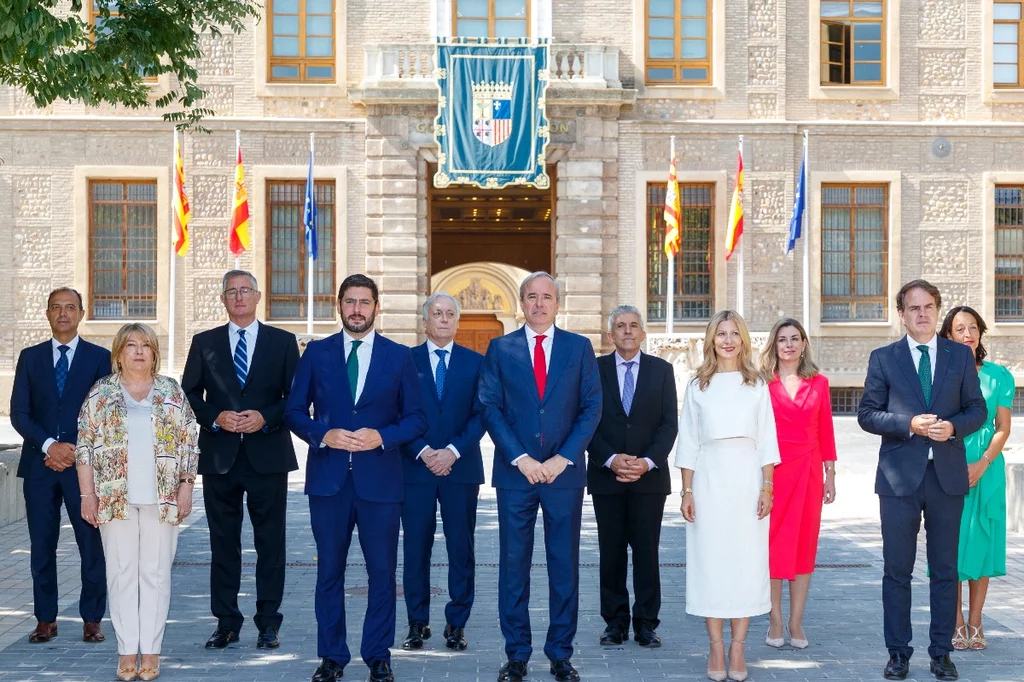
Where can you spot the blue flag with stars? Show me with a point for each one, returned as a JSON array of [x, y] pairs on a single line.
[[799, 206], [309, 214]]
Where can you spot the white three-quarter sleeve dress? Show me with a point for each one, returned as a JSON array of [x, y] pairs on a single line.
[[726, 434]]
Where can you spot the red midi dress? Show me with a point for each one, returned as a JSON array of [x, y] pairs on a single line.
[[806, 439]]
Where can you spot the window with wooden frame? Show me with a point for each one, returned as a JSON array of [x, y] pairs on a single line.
[[1009, 253], [122, 249], [287, 257], [491, 18], [852, 42], [677, 34], [97, 21], [1007, 34], [854, 252], [302, 41], [693, 297]]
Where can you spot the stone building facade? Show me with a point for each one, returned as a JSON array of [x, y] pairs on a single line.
[[936, 132]]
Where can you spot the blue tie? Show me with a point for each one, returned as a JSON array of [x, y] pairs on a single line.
[[441, 372], [628, 387], [61, 369], [241, 358]]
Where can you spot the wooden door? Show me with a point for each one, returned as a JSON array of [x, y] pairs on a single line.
[[477, 329]]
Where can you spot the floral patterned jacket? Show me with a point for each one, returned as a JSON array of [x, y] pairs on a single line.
[[103, 444]]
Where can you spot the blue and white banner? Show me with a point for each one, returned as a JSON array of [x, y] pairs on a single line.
[[491, 127]]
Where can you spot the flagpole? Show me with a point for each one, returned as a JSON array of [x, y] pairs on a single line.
[[309, 257], [739, 247], [169, 365], [807, 248], [670, 296], [238, 145]]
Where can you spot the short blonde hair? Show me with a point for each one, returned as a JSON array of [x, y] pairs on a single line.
[[121, 340]]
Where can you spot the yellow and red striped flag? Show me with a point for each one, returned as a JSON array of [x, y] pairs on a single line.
[[238, 240], [673, 238], [732, 237], [179, 204]]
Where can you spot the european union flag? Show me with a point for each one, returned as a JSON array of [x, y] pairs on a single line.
[[309, 215], [799, 206]]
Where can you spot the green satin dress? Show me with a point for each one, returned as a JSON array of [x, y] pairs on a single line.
[[983, 525]]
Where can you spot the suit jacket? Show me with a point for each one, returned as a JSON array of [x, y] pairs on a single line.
[[38, 413], [519, 421], [211, 385], [453, 418], [649, 430], [390, 403], [893, 396]]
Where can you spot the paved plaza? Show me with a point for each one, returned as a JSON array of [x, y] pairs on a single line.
[[843, 621]]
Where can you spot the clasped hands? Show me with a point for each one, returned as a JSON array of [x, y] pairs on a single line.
[[930, 426], [438, 461], [627, 468], [354, 441], [246, 421], [542, 472], [60, 456]]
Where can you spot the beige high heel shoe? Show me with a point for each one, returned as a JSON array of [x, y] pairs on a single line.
[[960, 638], [716, 675], [796, 642], [738, 675], [148, 674]]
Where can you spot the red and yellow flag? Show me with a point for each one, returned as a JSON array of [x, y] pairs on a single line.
[[732, 238], [673, 238], [179, 204], [238, 240]]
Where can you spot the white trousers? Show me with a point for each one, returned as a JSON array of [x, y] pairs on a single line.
[[139, 552]]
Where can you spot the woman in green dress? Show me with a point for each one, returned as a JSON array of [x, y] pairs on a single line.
[[982, 552]]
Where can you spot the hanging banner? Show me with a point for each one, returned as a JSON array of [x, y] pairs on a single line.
[[491, 127]]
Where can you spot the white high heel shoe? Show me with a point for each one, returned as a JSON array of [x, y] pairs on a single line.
[[796, 642]]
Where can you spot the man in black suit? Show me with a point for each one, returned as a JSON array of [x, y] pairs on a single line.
[[237, 379], [629, 477], [922, 396]]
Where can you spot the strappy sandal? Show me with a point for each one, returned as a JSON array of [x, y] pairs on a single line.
[[976, 642], [960, 638]]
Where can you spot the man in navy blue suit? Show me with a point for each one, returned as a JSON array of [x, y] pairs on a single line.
[[922, 396], [443, 467], [50, 385], [541, 398], [366, 405]]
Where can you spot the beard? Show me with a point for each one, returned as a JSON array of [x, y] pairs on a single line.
[[360, 327]]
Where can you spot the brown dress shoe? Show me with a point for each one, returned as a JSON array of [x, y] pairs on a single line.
[[44, 632], [91, 632]]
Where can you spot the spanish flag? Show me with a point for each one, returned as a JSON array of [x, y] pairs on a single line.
[[238, 240], [673, 238], [181, 212], [732, 238]]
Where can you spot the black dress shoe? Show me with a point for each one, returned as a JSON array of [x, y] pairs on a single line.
[[268, 639], [647, 637], [613, 635], [329, 671], [380, 671], [417, 633], [455, 638], [563, 671], [513, 671], [897, 668], [221, 637], [943, 668]]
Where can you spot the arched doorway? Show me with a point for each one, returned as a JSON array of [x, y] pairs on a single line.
[[488, 294]]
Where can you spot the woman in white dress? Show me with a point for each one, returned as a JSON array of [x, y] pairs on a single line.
[[727, 450]]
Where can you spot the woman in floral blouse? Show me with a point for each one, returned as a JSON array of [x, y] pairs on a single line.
[[137, 458]]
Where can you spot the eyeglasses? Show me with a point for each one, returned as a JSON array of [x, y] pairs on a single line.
[[240, 291]]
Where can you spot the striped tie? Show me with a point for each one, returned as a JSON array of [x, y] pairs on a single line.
[[241, 358]]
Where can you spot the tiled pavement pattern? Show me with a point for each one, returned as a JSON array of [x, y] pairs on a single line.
[[843, 618]]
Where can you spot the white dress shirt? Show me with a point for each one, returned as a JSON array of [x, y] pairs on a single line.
[[434, 359], [363, 352], [72, 346], [620, 372], [250, 340], [915, 355]]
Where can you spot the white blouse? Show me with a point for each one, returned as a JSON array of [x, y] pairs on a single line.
[[141, 455]]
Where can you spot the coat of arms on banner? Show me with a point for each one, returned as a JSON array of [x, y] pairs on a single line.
[[492, 112]]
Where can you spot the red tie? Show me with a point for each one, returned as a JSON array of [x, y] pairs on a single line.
[[540, 365]]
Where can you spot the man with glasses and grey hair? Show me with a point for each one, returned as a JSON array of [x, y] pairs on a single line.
[[237, 377], [629, 477], [442, 467]]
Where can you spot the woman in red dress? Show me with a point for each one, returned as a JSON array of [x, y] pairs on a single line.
[[806, 477]]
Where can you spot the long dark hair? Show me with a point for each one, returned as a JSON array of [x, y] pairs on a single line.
[[946, 330]]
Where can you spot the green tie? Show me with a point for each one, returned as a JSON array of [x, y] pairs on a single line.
[[924, 373], [353, 368]]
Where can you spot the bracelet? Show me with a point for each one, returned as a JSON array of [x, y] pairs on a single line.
[[187, 479], [987, 460], [688, 491], [768, 490], [87, 495], [769, 484]]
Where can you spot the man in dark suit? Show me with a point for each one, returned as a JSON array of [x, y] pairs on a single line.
[[443, 467], [922, 396], [541, 398], [629, 476], [237, 379], [50, 384], [366, 405]]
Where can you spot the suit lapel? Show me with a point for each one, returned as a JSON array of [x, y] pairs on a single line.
[[452, 368], [560, 352], [643, 375], [610, 378], [941, 365], [906, 362], [76, 372], [261, 348], [421, 357], [521, 357], [222, 347], [377, 362]]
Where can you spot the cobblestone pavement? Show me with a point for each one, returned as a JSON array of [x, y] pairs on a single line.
[[843, 620]]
